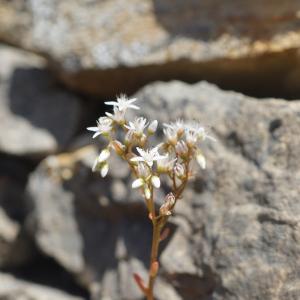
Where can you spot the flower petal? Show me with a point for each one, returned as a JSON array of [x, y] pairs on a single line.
[[92, 128], [114, 103], [96, 134], [104, 170], [137, 183], [104, 155], [137, 158]]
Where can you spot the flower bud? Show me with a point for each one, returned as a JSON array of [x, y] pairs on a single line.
[[152, 127], [179, 170], [155, 181], [147, 192], [138, 183], [166, 208], [201, 159], [142, 170], [129, 137], [104, 155], [182, 149], [118, 147], [104, 169]]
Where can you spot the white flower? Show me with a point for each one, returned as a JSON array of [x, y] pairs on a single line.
[[148, 156], [195, 129], [171, 135], [165, 164], [191, 137], [145, 177], [143, 170], [177, 126], [118, 115], [104, 126], [123, 103], [137, 126], [153, 126], [181, 148]]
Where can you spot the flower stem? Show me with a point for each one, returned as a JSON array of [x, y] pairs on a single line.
[[153, 258]]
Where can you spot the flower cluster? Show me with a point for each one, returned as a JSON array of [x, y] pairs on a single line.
[[171, 158]]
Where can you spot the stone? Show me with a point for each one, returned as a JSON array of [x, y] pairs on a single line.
[[16, 247], [233, 236], [108, 47], [37, 116], [74, 221], [13, 288], [242, 238]]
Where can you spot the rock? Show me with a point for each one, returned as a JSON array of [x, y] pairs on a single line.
[[13, 288], [15, 245], [244, 220], [235, 234], [74, 220], [8, 234], [38, 116], [108, 47]]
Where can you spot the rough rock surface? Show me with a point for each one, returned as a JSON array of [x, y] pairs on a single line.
[[234, 236], [14, 289], [37, 116], [106, 47]]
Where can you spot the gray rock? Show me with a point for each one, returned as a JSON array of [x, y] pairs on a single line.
[[37, 116], [74, 220], [245, 213], [12, 288], [107, 47], [235, 234]]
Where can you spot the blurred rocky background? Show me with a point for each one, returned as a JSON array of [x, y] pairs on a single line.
[[234, 65]]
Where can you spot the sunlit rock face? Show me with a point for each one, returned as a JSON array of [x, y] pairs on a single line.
[[105, 47]]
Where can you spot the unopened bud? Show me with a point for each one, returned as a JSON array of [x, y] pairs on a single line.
[[155, 181], [138, 183], [118, 147], [147, 192], [142, 170], [104, 169], [129, 137], [166, 208], [152, 127], [104, 155], [179, 171], [201, 159]]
